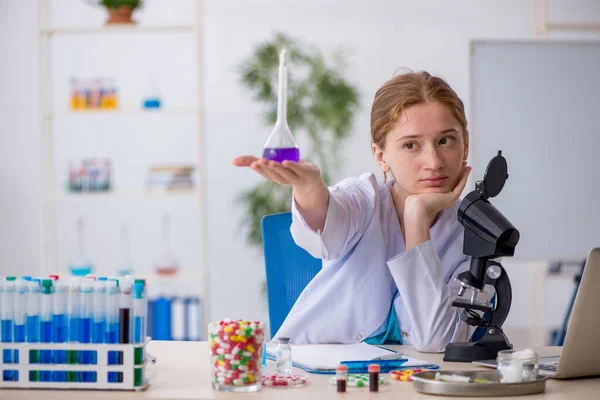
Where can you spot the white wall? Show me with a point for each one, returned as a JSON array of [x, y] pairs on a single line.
[[19, 145], [379, 36]]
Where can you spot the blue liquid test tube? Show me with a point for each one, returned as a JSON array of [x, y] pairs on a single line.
[[99, 327], [32, 323], [85, 325], [20, 316], [74, 312], [139, 313], [60, 328], [112, 324], [46, 326], [140, 307], [7, 299]]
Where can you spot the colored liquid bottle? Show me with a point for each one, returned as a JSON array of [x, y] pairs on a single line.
[[281, 145], [125, 266], [166, 263], [152, 98], [80, 264]]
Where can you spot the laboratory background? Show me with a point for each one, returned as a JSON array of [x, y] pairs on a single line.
[[117, 139]]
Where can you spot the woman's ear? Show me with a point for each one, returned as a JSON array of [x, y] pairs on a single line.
[[379, 157], [466, 140]]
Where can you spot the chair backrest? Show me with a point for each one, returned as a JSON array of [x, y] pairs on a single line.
[[288, 267]]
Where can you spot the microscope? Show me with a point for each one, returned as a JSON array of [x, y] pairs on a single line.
[[488, 235]]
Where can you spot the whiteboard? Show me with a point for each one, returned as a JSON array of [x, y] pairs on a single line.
[[539, 102]]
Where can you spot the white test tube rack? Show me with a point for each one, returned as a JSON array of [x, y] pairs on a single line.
[[101, 367]]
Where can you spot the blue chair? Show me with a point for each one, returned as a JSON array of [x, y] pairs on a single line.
[[289, 268]]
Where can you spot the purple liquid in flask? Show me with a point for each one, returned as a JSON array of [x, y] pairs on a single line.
[[282, 154], [281, 145]]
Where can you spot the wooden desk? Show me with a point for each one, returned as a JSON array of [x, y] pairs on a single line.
[[182, 372]]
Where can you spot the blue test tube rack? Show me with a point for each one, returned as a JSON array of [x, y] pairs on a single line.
[[134, 374]]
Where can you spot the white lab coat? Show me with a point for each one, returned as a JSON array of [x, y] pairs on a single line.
[[365, 262]]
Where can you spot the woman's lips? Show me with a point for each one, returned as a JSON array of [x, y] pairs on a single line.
[[433, 182]]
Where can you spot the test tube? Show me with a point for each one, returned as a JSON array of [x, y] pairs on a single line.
[[139, 328], [139, 313], [341, 372], [125, 304], [46, 326], [99, 331], [20, 315], [374, 377], [60, 333], [85, 326], [7, 299], [74, 312], [112, 325], [33, 324]]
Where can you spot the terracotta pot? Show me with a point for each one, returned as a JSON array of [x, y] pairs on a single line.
[[121, 15]]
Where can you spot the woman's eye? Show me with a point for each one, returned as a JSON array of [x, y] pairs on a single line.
[[446, 140], [410, 146]]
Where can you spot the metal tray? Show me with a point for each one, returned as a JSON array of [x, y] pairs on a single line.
[[425, 382]]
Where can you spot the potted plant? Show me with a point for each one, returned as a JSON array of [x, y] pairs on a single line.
[[120, 11], [321, 106]]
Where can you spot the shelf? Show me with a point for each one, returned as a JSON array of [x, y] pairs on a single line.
[[124, 111], [129, 29], [123, 195], [184, 283]]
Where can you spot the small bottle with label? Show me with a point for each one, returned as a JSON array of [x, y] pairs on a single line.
[[283, 356]]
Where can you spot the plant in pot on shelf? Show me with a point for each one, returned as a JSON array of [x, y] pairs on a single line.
[[120, 11], [321, 105]]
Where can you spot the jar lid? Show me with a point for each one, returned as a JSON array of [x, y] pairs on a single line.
[[523, 356], [284, 340]]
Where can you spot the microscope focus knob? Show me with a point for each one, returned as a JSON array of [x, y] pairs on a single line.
[[494, 271]]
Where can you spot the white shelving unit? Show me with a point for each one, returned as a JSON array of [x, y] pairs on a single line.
[[52, 115], [118, 30]]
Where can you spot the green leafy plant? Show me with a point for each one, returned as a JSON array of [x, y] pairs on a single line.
[[321, 105], [121, 3]]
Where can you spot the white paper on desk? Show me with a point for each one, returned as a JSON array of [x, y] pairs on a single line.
[[325, 357]]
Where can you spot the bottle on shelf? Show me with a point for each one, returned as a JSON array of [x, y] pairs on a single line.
[[109, 99], [166, 263], [95, 95], [125, 266], [78, 100], [152, 98], [74, 178], [80, 264]]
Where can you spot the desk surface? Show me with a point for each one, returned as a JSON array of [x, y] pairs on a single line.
[[182, 372]]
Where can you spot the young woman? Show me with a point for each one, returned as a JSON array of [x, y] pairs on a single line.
[[390, 249]]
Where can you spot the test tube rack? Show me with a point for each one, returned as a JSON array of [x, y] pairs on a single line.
[[133, 374]]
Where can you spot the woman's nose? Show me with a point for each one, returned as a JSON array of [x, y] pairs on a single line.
[[433, 160]]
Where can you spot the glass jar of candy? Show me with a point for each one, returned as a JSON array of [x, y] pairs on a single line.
[[236, 349]]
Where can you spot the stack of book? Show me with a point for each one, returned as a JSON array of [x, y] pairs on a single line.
[[170, 178]]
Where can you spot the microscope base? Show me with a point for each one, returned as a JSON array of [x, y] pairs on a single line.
[[485, 349]]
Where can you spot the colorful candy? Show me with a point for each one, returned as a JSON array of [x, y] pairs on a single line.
[[283, 380], [236, 352], [404, 375]]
